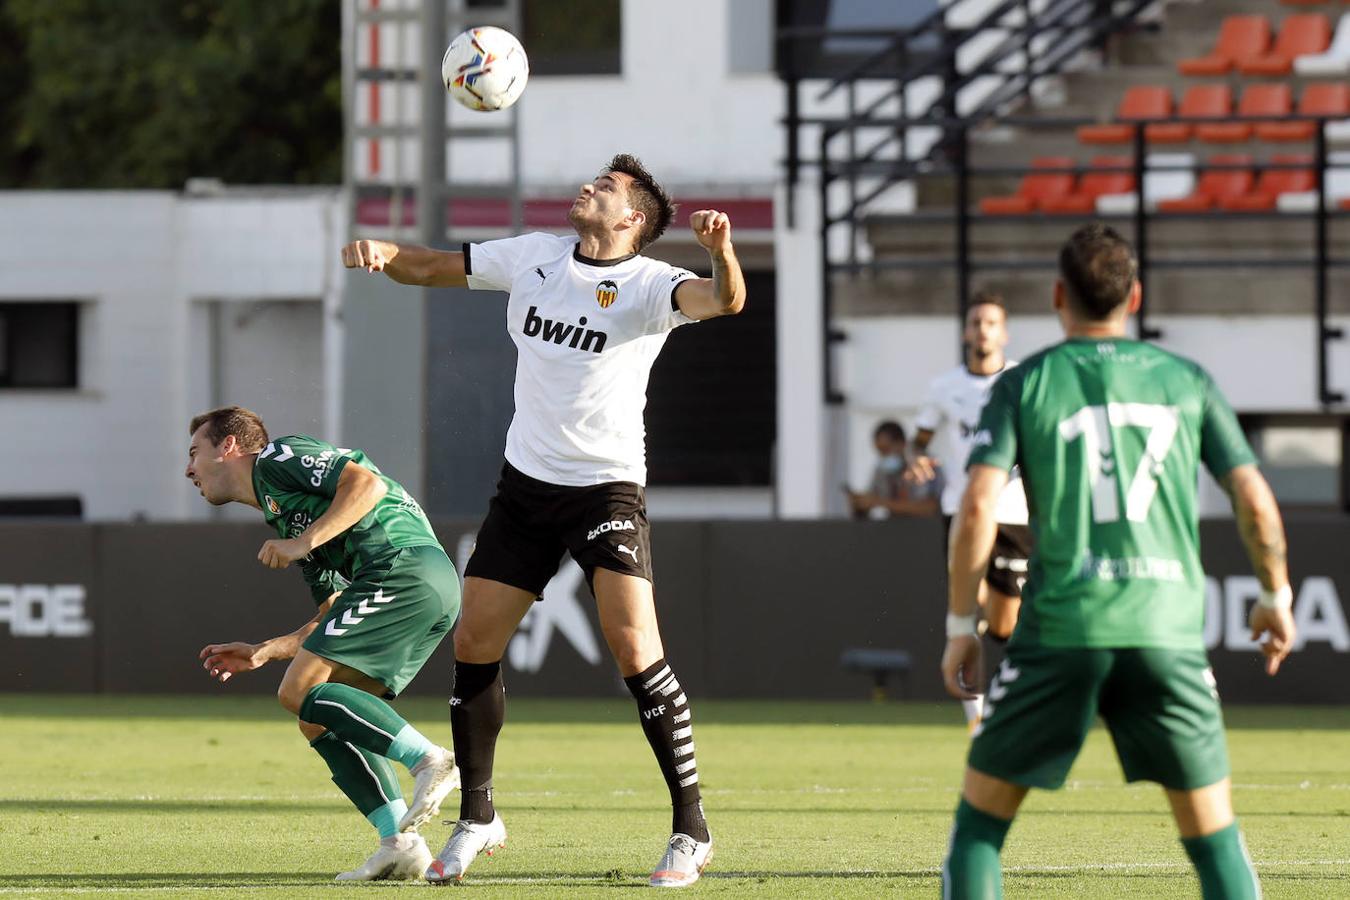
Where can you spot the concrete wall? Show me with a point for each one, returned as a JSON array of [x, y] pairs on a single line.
[[147, 267]]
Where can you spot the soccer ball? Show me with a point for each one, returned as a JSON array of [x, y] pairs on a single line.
[[485, 69]]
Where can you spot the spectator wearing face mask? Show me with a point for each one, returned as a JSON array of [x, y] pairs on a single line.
[[890, 493]]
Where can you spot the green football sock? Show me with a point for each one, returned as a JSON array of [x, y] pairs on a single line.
[[972, 870], [366, 779], [366, 721], [1221, 861]]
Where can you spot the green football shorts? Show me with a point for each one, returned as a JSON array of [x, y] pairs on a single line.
[[1160, 706], [392, 616]]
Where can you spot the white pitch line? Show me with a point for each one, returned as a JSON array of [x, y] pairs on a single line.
[[603, 879]]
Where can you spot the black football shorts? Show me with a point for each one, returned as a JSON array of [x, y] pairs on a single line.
[[531, 523]]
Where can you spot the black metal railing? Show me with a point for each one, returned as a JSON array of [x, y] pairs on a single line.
[[965, 219], [1040, 39]]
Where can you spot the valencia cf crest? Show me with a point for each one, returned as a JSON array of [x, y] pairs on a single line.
[[606, 292], [272, 506]]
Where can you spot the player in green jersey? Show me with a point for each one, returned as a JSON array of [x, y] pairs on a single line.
[[1109, 433], [386, 594]]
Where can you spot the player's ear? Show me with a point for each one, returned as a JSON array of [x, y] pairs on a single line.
[[635, 218], [229, 445], [1058, 302], [1136, 298]]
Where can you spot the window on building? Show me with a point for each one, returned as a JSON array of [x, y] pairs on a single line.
[[572, 37], [833, 55], [39, 345]]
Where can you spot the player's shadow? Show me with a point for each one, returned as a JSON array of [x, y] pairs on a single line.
[[185, 880], [116, 805]]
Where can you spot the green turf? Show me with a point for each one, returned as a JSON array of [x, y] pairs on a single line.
[[198, 797]]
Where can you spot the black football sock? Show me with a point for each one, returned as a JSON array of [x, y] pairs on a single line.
[[664, 711], [477, 711]]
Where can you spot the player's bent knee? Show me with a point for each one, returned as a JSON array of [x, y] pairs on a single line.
[[292, 696], [311, 731]]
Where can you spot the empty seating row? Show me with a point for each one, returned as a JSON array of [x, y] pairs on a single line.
[[1215, 101], [1244, 44], [1227, 182]]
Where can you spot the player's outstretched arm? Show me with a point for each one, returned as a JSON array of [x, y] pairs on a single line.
[[724, 293], [972, 543], [358, 490], [407, 263], [223, 661], [1262, 530]]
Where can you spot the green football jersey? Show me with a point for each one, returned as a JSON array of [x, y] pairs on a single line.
[[295, 478], [1109, 435]]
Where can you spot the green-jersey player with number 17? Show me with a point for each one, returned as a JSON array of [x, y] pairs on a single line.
[[1109, 433], [386, 594]]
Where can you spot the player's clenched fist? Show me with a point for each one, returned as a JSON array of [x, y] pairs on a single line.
[[278, 554], [711, 228], [369, 255]]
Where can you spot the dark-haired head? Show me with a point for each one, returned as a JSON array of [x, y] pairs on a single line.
[[1098, 272], [646, 196]]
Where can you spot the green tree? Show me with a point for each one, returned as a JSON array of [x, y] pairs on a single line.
[[148, 93]]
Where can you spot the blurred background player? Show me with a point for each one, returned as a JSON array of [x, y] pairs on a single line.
[[588, 316], [891, 493], [1110, 433], [386, 593], [950, 411]]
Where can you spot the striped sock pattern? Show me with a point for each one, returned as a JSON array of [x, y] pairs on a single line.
[[664, 712]]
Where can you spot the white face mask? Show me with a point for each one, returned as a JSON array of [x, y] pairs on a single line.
[[890, 464]]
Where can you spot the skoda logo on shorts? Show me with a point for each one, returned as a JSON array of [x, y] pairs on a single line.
[[606, 292]]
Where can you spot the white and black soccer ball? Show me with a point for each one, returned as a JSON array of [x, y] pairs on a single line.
[[485, 68]]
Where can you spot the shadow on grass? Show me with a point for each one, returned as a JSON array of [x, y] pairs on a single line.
[[185, 880], [611, 711]]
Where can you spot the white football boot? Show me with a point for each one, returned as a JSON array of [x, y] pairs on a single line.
[[434, 776], [402, 857], [467, 841], [684, 861]]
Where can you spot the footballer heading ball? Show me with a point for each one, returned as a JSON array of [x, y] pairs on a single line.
[[485, 68]]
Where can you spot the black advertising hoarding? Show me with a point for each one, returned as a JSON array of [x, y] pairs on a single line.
[[747, 609]]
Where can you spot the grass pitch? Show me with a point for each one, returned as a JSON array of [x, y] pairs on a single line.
[[220, 797]]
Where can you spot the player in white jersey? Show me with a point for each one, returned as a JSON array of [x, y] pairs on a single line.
[[950, 413], [588, 316]]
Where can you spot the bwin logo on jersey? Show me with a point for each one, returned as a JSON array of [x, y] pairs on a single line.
[[606, 292], [607, 527], [564, 332]]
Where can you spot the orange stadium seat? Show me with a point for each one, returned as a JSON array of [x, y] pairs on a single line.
[[1083, 199], [1214, 185], [1035, 189], [1272, 183], [1257, 100], [1301, 35], [1143, 101], [1323, 99], [1202, 101], [1240, 38]]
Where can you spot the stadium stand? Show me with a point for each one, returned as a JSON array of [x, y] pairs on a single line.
[[1273, 99], [1036, 188], [1322, 99], [1335, 60], [1336, 188], [1202, 101], [1140, 103], [1082, 200], [1302, 35], [1241, 39], [1215, 184], [1167, 176], [1272, 183]]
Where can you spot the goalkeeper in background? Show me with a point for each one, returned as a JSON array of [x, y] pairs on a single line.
[[1109, 433], [386, 594]]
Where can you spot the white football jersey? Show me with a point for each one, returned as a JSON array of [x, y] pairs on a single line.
[[951, 410], [586, 335]]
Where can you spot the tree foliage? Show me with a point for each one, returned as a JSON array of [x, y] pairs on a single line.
[[148, 93]]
